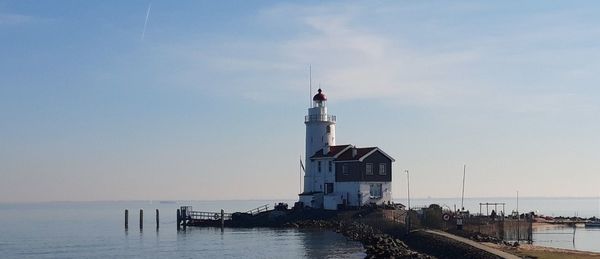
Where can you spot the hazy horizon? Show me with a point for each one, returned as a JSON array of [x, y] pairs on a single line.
[[197, 100], [283, 199]]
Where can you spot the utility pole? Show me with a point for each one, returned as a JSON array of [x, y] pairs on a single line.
[[518, 219], [408, 188], [408, 203]]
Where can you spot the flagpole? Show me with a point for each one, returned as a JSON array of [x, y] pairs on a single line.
[[300, 182]]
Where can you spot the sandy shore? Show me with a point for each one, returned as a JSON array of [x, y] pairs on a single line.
[[533, 251]]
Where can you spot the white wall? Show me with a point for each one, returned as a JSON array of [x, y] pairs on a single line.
[[329, 176], [348, 190], [331, 201], [314, 200]]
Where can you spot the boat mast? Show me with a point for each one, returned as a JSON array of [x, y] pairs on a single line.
[[462, 199]]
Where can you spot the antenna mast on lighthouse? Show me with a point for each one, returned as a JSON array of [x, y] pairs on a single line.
[[310, 86]]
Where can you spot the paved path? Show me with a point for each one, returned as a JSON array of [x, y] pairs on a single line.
[[473, 244]]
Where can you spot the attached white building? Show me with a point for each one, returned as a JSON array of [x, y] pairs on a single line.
[[339, 176]]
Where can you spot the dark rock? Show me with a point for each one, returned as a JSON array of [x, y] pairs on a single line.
[[376, 243]]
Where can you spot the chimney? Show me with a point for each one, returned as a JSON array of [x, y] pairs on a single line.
[[354, 151]]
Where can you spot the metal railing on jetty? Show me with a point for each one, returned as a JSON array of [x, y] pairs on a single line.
[[187, 216], [259, 209], [187, 213], [205, 215]]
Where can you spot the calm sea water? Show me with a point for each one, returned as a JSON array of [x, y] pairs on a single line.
[[559, 236], [95, 230]]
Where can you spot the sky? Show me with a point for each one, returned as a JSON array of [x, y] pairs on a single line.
[[204, 100]]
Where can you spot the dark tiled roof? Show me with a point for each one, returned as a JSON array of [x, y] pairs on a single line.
[[360, 152], [333, 150]]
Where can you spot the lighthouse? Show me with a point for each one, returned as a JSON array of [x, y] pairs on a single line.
[[320, 134], [340, 176]]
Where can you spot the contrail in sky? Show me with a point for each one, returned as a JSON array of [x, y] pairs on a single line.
[[146, 22]]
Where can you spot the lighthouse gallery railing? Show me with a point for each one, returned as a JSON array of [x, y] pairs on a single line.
[[308, 118]]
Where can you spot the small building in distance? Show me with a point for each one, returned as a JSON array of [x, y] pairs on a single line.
[[338, 176]]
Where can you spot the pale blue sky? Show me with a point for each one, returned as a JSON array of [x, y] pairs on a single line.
[[209, 104]]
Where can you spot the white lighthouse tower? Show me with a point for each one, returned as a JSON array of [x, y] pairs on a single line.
[[320, 134], [341, 176]]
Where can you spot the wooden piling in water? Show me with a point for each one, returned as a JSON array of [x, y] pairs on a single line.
[[178, 219], [184, 218], [157, 222], [141, 218], [126, 219], [222, 219]]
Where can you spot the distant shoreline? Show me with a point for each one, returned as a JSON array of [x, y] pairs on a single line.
[[293, 199]]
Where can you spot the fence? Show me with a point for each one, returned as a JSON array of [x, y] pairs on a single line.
[[501, 228], [396, 216]]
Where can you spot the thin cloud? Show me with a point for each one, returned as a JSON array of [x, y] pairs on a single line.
[[14, 19], [509, 67], [146, 21], [357, 62]]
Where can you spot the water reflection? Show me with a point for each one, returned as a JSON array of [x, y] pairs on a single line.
[[28, 231], [266, 242], [567, 237], [328, 244]]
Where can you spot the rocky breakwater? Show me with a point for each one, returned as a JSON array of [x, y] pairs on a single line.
[[376, 244], [444, 247], [483, 238]]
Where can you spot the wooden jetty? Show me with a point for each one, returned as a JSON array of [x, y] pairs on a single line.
[[187, 216]]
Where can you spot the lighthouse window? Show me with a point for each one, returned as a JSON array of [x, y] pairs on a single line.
[[319, 166], [382, 169], [369, 170], [328, 128], [328, 188]]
